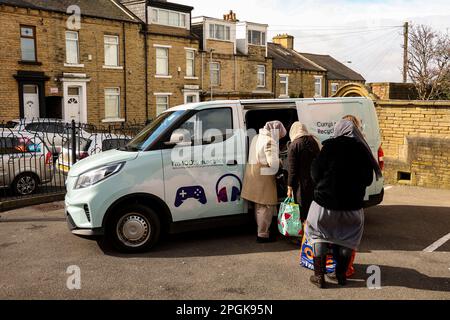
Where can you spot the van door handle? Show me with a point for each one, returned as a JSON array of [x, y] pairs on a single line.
[[232, 163]]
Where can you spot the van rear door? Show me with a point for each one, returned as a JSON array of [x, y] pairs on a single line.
[[321, 115]]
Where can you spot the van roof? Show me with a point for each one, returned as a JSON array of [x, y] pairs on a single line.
[[198, 105]]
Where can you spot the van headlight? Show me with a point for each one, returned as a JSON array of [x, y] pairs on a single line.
[[92, 177]]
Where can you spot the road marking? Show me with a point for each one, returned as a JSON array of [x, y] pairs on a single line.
[[437, 244], [387, 188]]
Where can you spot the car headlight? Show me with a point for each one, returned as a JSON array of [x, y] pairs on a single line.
[[92, 177]]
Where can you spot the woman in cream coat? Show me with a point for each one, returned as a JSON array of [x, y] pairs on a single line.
[[259, 180]]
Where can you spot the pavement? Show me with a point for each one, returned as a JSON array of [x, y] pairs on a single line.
[[36, 250]]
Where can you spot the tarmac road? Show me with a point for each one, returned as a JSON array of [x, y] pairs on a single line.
[[36, 249]]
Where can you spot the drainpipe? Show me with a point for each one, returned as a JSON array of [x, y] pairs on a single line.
[[124, 69], [146, 61], [210, 78]]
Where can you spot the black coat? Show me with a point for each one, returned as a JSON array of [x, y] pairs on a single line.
[[302, 152], [341, 172]]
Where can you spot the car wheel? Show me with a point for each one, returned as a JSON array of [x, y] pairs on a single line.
[[133, 229], [25, 184]]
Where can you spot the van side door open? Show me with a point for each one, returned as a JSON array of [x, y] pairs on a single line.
[[203, 166]]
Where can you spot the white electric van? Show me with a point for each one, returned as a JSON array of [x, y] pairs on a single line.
[[185, 170]]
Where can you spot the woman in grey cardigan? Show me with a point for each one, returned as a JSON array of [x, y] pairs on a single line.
[[341, 173]]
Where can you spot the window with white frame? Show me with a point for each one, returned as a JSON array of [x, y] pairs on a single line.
[[219, 32], [169, 18], [334, 88], [72, 47], [284, 85], [162, 103], [261, 76], [317, 86], [190, 63], [162, 61], [215, 73], [257, 38], [111, 51], [28, 43], [112, 103]]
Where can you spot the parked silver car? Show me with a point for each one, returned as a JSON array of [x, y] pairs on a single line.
[[25, 162]]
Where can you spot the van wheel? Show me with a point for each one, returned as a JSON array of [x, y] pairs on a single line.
[[25, 184], [133, 229]]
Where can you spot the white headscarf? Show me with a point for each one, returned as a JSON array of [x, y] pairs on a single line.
[[274, 126], [299, 130]]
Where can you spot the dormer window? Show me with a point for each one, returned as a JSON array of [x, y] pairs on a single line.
[[257, 38], [219, 32], [169, 18]]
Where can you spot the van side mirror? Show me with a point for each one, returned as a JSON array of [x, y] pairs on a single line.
[[179, 138]]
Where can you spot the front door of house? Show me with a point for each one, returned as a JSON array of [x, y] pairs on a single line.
[[31, 101], [73, 104]]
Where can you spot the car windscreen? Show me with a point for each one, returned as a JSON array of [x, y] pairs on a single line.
[[150, 133], [109, 144], [18, 145], [82, 144]]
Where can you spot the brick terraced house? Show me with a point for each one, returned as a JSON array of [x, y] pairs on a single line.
[[234, 59], [129, 60], [338, 74], [173, 68], [54, 67], [304, 74]]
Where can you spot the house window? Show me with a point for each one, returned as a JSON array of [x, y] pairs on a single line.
[[169, 18], [112, 103], [317, 86], [72, 48], [28, 43], [162, 104], [334, 88], [111, 51], [190, 63], [219, 32], [257, 38], [284, 85], [261, 76], [162, 61], [215, 73]]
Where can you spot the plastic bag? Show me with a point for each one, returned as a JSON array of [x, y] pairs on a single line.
[[289, 223]]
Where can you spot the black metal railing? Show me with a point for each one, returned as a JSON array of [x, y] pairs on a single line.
[[36, 155]]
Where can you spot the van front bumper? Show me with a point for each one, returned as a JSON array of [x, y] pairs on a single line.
[[83, 232]]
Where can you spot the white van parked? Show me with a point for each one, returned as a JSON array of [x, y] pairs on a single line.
[[185, 170]]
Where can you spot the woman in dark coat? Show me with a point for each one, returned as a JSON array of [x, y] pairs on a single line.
[[343, 170], [303, 149]]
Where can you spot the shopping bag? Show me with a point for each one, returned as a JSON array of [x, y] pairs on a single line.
[[307, 259], [289, 223]]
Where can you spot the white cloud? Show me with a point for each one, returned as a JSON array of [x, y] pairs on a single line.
[[375, 52]]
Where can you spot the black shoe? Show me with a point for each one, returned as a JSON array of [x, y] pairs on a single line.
[[264, 240], [318, 279], [332, 276], [342, 264]]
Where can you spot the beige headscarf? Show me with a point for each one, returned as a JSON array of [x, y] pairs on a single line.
[[299, 130]]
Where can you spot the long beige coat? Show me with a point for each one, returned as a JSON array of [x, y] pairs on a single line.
[[259, 179]]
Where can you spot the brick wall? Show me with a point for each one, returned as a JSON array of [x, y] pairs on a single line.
[[416, 141]]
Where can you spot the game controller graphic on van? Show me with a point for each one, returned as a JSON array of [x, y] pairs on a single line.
[[193, 192]]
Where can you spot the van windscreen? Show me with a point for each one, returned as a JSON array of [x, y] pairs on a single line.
[[150, 133]]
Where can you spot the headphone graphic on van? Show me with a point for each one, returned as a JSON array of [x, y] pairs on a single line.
[[222, 194]]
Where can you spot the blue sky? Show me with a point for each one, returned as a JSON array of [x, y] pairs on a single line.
[[349, 30]]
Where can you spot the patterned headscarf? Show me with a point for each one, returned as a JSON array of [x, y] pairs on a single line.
[[347, 128], [272, 126]]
